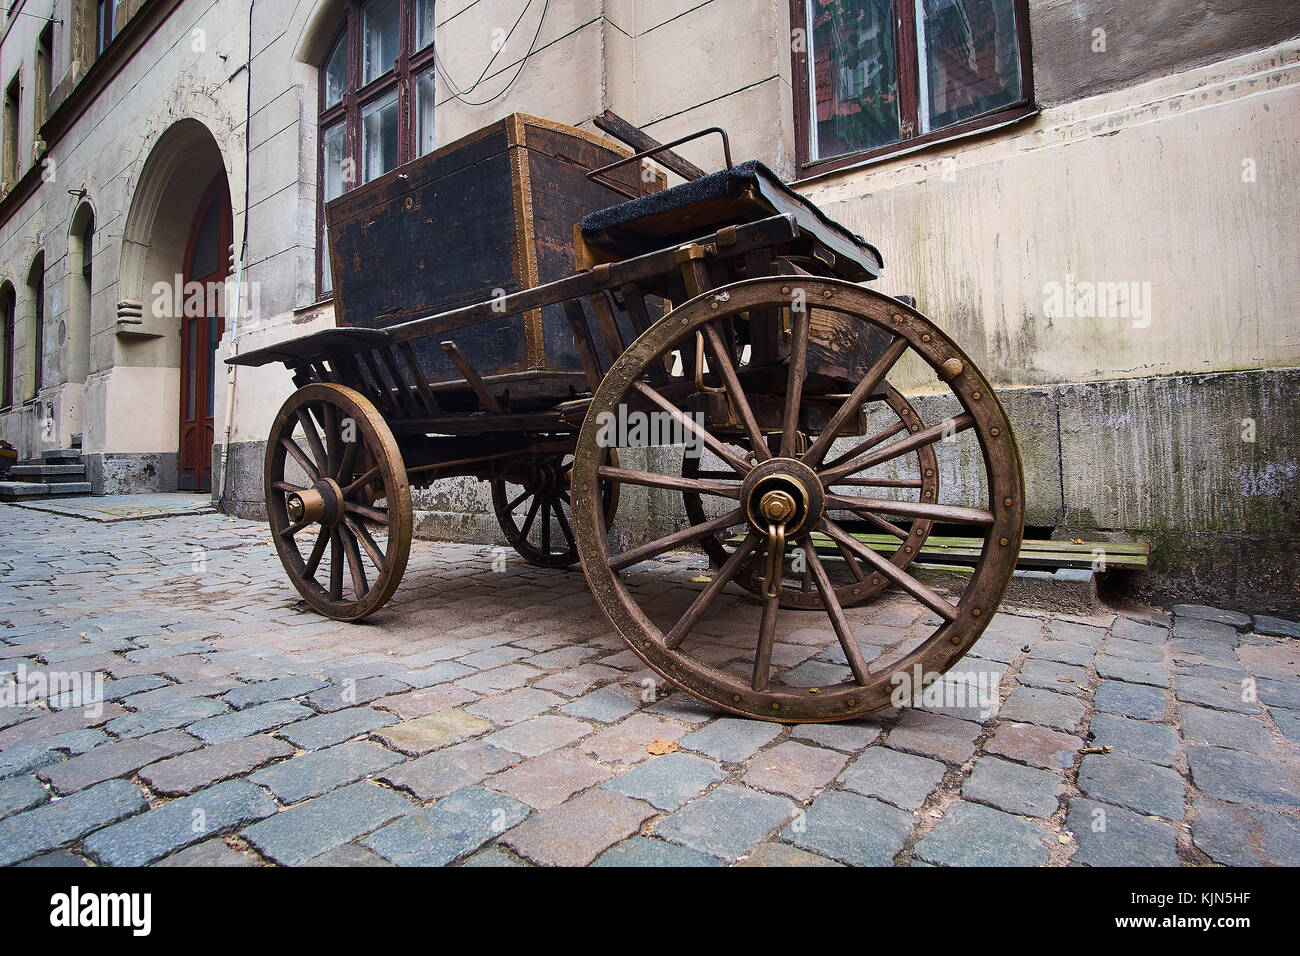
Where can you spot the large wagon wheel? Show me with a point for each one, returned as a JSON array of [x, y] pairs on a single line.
[[532, 504], [858, 589], [788, 496], [329, 492]]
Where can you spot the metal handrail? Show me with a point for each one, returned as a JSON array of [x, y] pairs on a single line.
[[726, 151]]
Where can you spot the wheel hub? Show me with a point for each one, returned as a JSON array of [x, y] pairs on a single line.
[[323, 503], [783, 492]]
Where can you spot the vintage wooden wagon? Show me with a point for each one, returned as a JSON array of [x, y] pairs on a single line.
[[508, 303]]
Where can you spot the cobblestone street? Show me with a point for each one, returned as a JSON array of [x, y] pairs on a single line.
[[491, 717]]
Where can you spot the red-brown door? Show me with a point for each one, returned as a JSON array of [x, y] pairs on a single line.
[[207, 264]]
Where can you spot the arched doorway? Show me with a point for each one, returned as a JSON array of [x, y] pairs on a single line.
[[177, 232], [207, 265]]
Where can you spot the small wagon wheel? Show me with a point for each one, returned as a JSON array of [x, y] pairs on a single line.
[[789, 497], [860, 589], [533, 508], [338, 501]]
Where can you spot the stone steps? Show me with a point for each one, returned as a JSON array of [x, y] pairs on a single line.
[[58, 473], [29, 490], [48, 474]]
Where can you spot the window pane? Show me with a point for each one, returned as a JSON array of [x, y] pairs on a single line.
[[380, 38], [424, 92], [336, 74], [424, 23], [378, 137], [337, 180], [971, 59], [854, 75], [207, 244]]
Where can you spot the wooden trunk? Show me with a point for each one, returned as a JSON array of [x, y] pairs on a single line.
[[490, 214]]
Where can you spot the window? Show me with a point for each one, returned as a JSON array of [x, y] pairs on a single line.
[[7, 345], [13, 100], [376, 101], [44, 59], [105, 24], [36, 339], [876, 76]]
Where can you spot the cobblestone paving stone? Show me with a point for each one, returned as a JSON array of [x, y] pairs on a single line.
[[238, 728]]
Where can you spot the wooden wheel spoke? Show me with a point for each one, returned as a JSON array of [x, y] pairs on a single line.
[[722, 358], [706, 597], [336, 566], [927, 436], [794, 382], [889, 570], [313, 440], [676, 539], [348, 459], [872, 442], [367, 541], [317, 552], [843, 630], [851, 562], [875, 375], [913, 509], [672, 482], [882, 482], [300, 457], [515, 504], [709, 439], [369, 514], [331, 423], [766, 637], [361, 482], [840, 502], [528, 520], [360, 586], [563, 522], [293, 529], [287, 488]]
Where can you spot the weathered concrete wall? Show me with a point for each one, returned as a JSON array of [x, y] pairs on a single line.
[[1183, 186], [1085, 47]]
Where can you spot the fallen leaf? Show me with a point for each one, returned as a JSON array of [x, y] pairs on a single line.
[[659, 746], [1096, 750], [701, 579]]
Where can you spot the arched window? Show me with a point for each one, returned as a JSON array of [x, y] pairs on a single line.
[[376, 101], [36, 324], [81, 245], [7, 345]]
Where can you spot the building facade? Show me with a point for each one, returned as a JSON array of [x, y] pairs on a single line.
[[1097, 199]]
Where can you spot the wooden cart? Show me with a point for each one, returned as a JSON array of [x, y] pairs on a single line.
[[728, 309]]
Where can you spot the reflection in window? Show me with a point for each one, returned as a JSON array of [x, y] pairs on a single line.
[[380, 38], [972, 54], [424, 23], [424, 93], [336, 74], [378, 138], [855, 75], [969, 63]]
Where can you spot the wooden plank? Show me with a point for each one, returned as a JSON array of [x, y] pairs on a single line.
[[625, 132], [1034, 553]]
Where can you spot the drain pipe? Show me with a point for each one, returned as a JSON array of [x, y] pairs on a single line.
[[233, 370]]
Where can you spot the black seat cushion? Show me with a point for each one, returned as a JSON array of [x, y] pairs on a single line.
[[719, 185]]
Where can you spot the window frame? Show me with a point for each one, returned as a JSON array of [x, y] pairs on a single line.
[[356, 97], [105, 30], [8, 311], [907, 59]]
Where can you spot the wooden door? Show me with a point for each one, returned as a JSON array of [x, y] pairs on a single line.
[[207, 264]]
